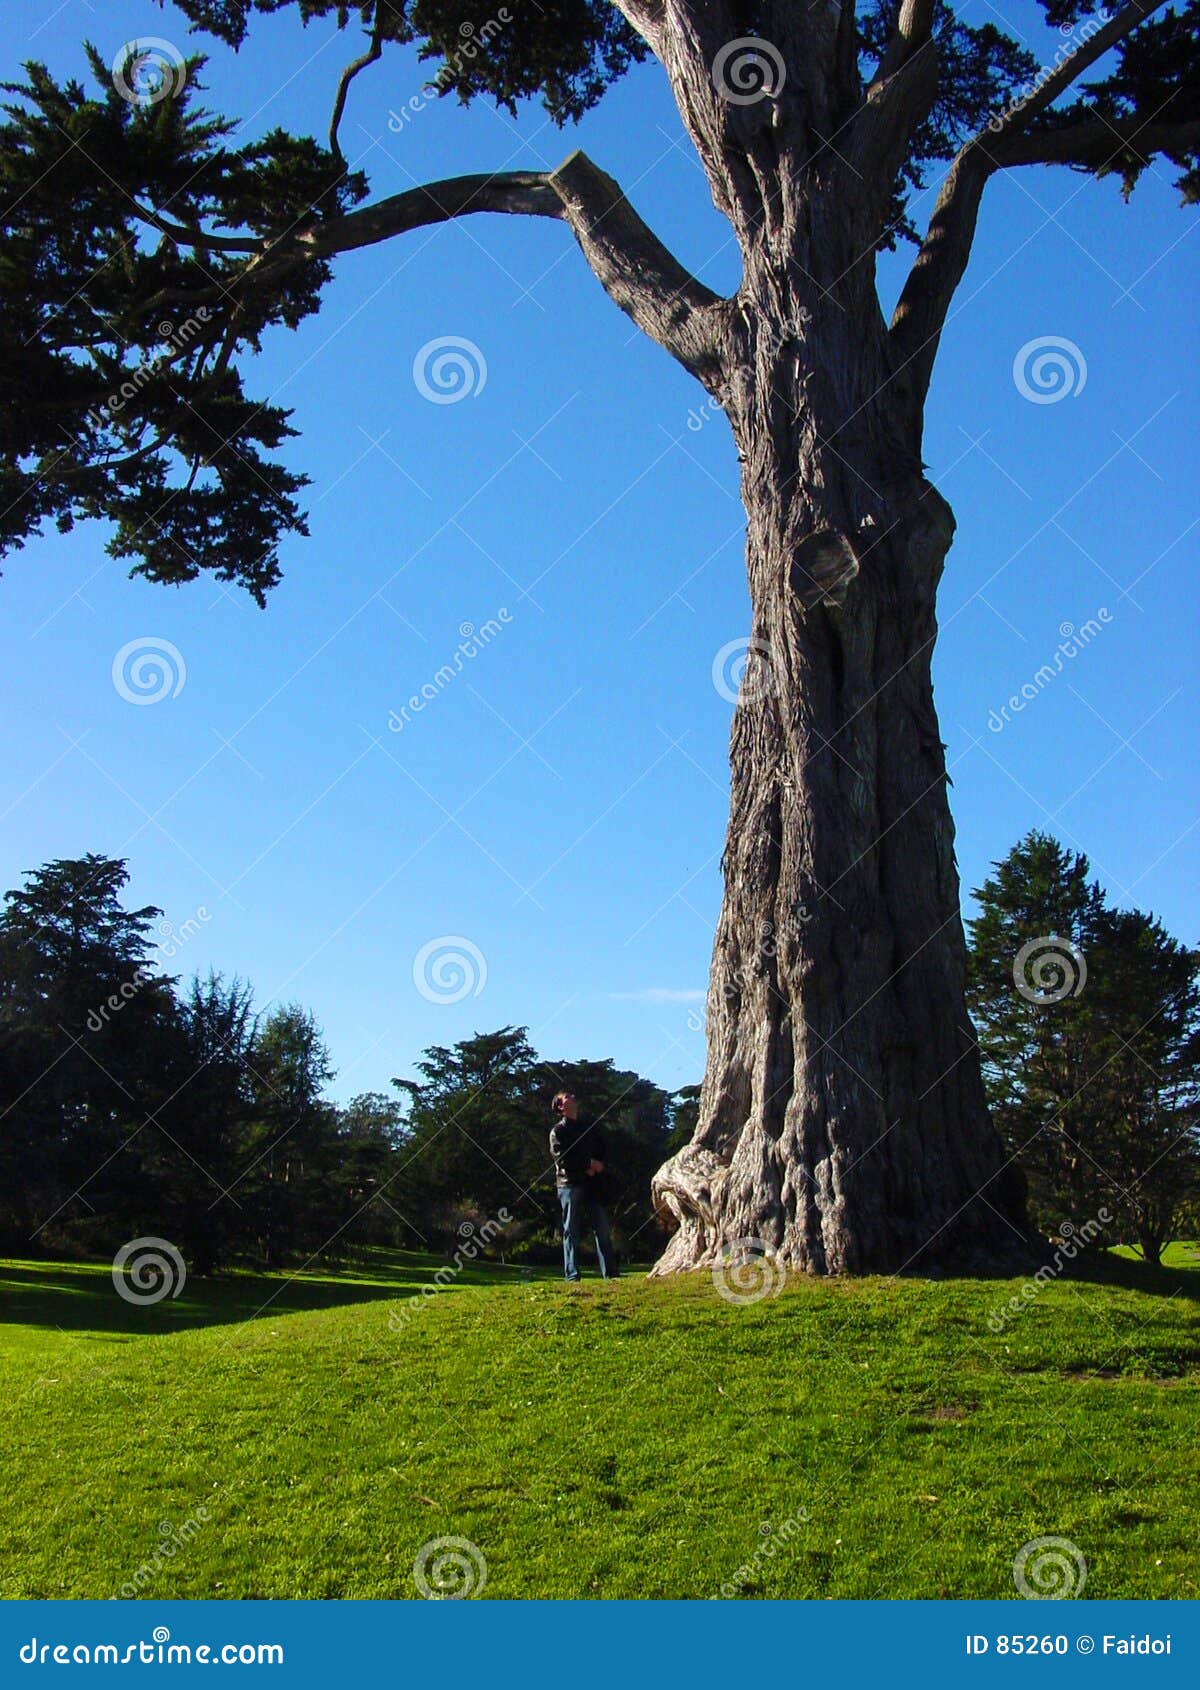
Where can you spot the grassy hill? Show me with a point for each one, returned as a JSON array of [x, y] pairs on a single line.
[[267, 1437]]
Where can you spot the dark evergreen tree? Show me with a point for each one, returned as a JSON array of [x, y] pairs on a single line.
[[80, 1005], [1087, 1020]]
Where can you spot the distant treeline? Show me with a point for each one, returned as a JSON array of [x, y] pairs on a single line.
[[134, 1107]]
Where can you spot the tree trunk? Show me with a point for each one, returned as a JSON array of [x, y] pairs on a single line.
[[842, 1119], [1151, 1246]]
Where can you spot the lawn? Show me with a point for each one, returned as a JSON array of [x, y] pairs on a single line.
[[271, 1437]]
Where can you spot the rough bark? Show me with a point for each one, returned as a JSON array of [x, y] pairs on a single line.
[[842, 1119]]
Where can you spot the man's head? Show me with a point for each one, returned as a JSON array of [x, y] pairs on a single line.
[[565, 1106]]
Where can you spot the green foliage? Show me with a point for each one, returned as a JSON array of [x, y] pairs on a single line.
[[566, 51], [138, 245], [477, 1132], [1097, 1090], [134, 1110], [121, 397]]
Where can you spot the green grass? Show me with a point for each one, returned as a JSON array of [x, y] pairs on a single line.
[[624, 1440]]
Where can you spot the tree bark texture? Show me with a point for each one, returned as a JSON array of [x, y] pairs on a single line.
[[842, 1120]]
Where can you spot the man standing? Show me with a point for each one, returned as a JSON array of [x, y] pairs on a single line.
[[579, 1152]]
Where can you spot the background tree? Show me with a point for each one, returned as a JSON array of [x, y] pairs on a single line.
[[842, 1118], [195, 1160], [1087, 1020], [80, 1006]]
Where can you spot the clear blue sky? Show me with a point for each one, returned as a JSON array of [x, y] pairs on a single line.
[[561, 804]]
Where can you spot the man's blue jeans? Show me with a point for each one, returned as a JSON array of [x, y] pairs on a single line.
[[579, 1204]]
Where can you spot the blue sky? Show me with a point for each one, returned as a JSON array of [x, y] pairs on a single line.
[[560, 804]]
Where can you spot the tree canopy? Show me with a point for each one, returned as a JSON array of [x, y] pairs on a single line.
[[145, 249]]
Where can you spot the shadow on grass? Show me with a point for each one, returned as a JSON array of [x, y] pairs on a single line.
[[80, 1297], [1179, 1275]]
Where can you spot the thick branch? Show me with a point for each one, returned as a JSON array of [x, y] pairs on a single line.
[[646, 17], [635, 268], [519, 192], [632, 264], [914, 27], [1018, 117], [1096, 145], [938, 268]]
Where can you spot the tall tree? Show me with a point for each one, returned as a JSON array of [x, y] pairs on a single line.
[[80, 1006], [842, 1119], [1089, 1022]]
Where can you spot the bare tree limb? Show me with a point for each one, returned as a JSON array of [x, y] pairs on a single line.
[[914, 27], [632, 264], [1095, 144], [635, 268], [1090, 143], [372, 54], [939, 266], [1019, 116]]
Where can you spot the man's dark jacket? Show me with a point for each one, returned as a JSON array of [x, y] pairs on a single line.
[[573, 1144]]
